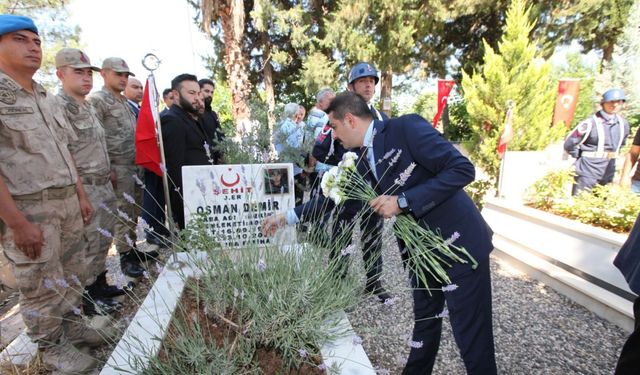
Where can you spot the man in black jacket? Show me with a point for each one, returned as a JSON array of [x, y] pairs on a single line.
[[186, 141], [210, 118]]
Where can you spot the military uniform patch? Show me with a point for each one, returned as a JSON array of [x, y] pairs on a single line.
[[16, 110], [6, 83], [73, 108], [7, 96]]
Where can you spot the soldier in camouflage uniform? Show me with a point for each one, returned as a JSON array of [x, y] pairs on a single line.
[[42, 202], [119, 123], [92, 161]]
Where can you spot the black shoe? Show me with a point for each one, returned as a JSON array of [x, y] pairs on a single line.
[[143, 256], [130, 266], [100, 288], [379, 292], [99, 306]]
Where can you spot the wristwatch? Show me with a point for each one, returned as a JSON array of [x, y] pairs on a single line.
[[403, 204]]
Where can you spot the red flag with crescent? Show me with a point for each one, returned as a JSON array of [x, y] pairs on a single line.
[[568, 89], [147, 150], [507, 132], [444, 88]]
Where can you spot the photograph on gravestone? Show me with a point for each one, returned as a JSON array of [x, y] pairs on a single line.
[[234, 199]]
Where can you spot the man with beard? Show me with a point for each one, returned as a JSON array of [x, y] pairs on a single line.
[[184, 136], [210, 118]]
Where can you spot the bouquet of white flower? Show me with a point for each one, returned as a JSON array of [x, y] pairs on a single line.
[[428, 251]]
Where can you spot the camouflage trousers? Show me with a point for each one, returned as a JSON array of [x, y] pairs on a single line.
[[51, 285], [101, 197], [126, 184]]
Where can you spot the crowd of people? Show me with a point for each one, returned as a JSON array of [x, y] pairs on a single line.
[[70, 189]]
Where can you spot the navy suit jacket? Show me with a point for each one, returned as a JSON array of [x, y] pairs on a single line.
[[628, 258], [434, 189]]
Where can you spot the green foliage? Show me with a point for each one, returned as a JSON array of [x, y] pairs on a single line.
[[477, 191], [609, 206], [426, 105], [261, 296], [221, 103], [515, 74], [554, 187], [577, 67], [459, 128]]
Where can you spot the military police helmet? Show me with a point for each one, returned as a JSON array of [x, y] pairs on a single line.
[[363, 69], [613, 95]]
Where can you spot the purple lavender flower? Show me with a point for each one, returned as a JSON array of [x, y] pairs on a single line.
[[207, 150], [146, 275], [451, 239], [123, 215], [49, 284], [32, 314], [138, 180], [450, 287], [262, 265], [347, 250], [443, 314], [141, 229], [388, 154], [75, 280], [303, 353], [390, 301], [105, 207], [62, 283], [356, 340], [201, 187], [322, 367], [77, 311], [404, 176], [104, 232], [129, 240], [395, 158], [415, 344], [128, 198]]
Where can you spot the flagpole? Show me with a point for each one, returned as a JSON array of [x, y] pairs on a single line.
[[510, 105], [151, 63]]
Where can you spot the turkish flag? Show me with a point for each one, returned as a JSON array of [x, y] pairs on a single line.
[[147, 151], [444, 88], [507, 134], [568, 90]]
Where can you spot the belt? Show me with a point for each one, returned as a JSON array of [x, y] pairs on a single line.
[[600, 155], [48, 194], [95, 180]]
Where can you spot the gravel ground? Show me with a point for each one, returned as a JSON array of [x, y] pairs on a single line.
[[537, 331]]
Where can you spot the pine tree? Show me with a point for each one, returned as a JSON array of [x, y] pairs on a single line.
[[624, 70], [514, 73]]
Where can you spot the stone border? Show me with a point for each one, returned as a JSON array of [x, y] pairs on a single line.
[[148, 328], [571, 257]]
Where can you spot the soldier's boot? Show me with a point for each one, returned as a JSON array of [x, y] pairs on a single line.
[[98, 306], [63, 358], [130, 265], [101, 289], [80, 334]]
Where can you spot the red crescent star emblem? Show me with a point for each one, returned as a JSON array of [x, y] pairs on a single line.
[[227, 184]]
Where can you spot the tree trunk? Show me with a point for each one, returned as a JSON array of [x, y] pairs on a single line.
[[385, 90], [235, 62], [267, 72]]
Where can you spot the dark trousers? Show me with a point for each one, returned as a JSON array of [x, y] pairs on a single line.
[[153, 206], [470, 316], [371, 231], [629, 362]]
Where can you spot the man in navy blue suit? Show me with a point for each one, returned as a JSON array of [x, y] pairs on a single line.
[[628, 262], [433, 194]]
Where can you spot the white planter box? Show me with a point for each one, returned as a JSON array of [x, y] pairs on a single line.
[[147, 329], [574, 258]]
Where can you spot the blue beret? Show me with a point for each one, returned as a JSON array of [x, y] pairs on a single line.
[[10, 23]]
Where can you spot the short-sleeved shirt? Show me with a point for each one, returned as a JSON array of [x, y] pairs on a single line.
[[119, 124], [90, 149], [34, 136]]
